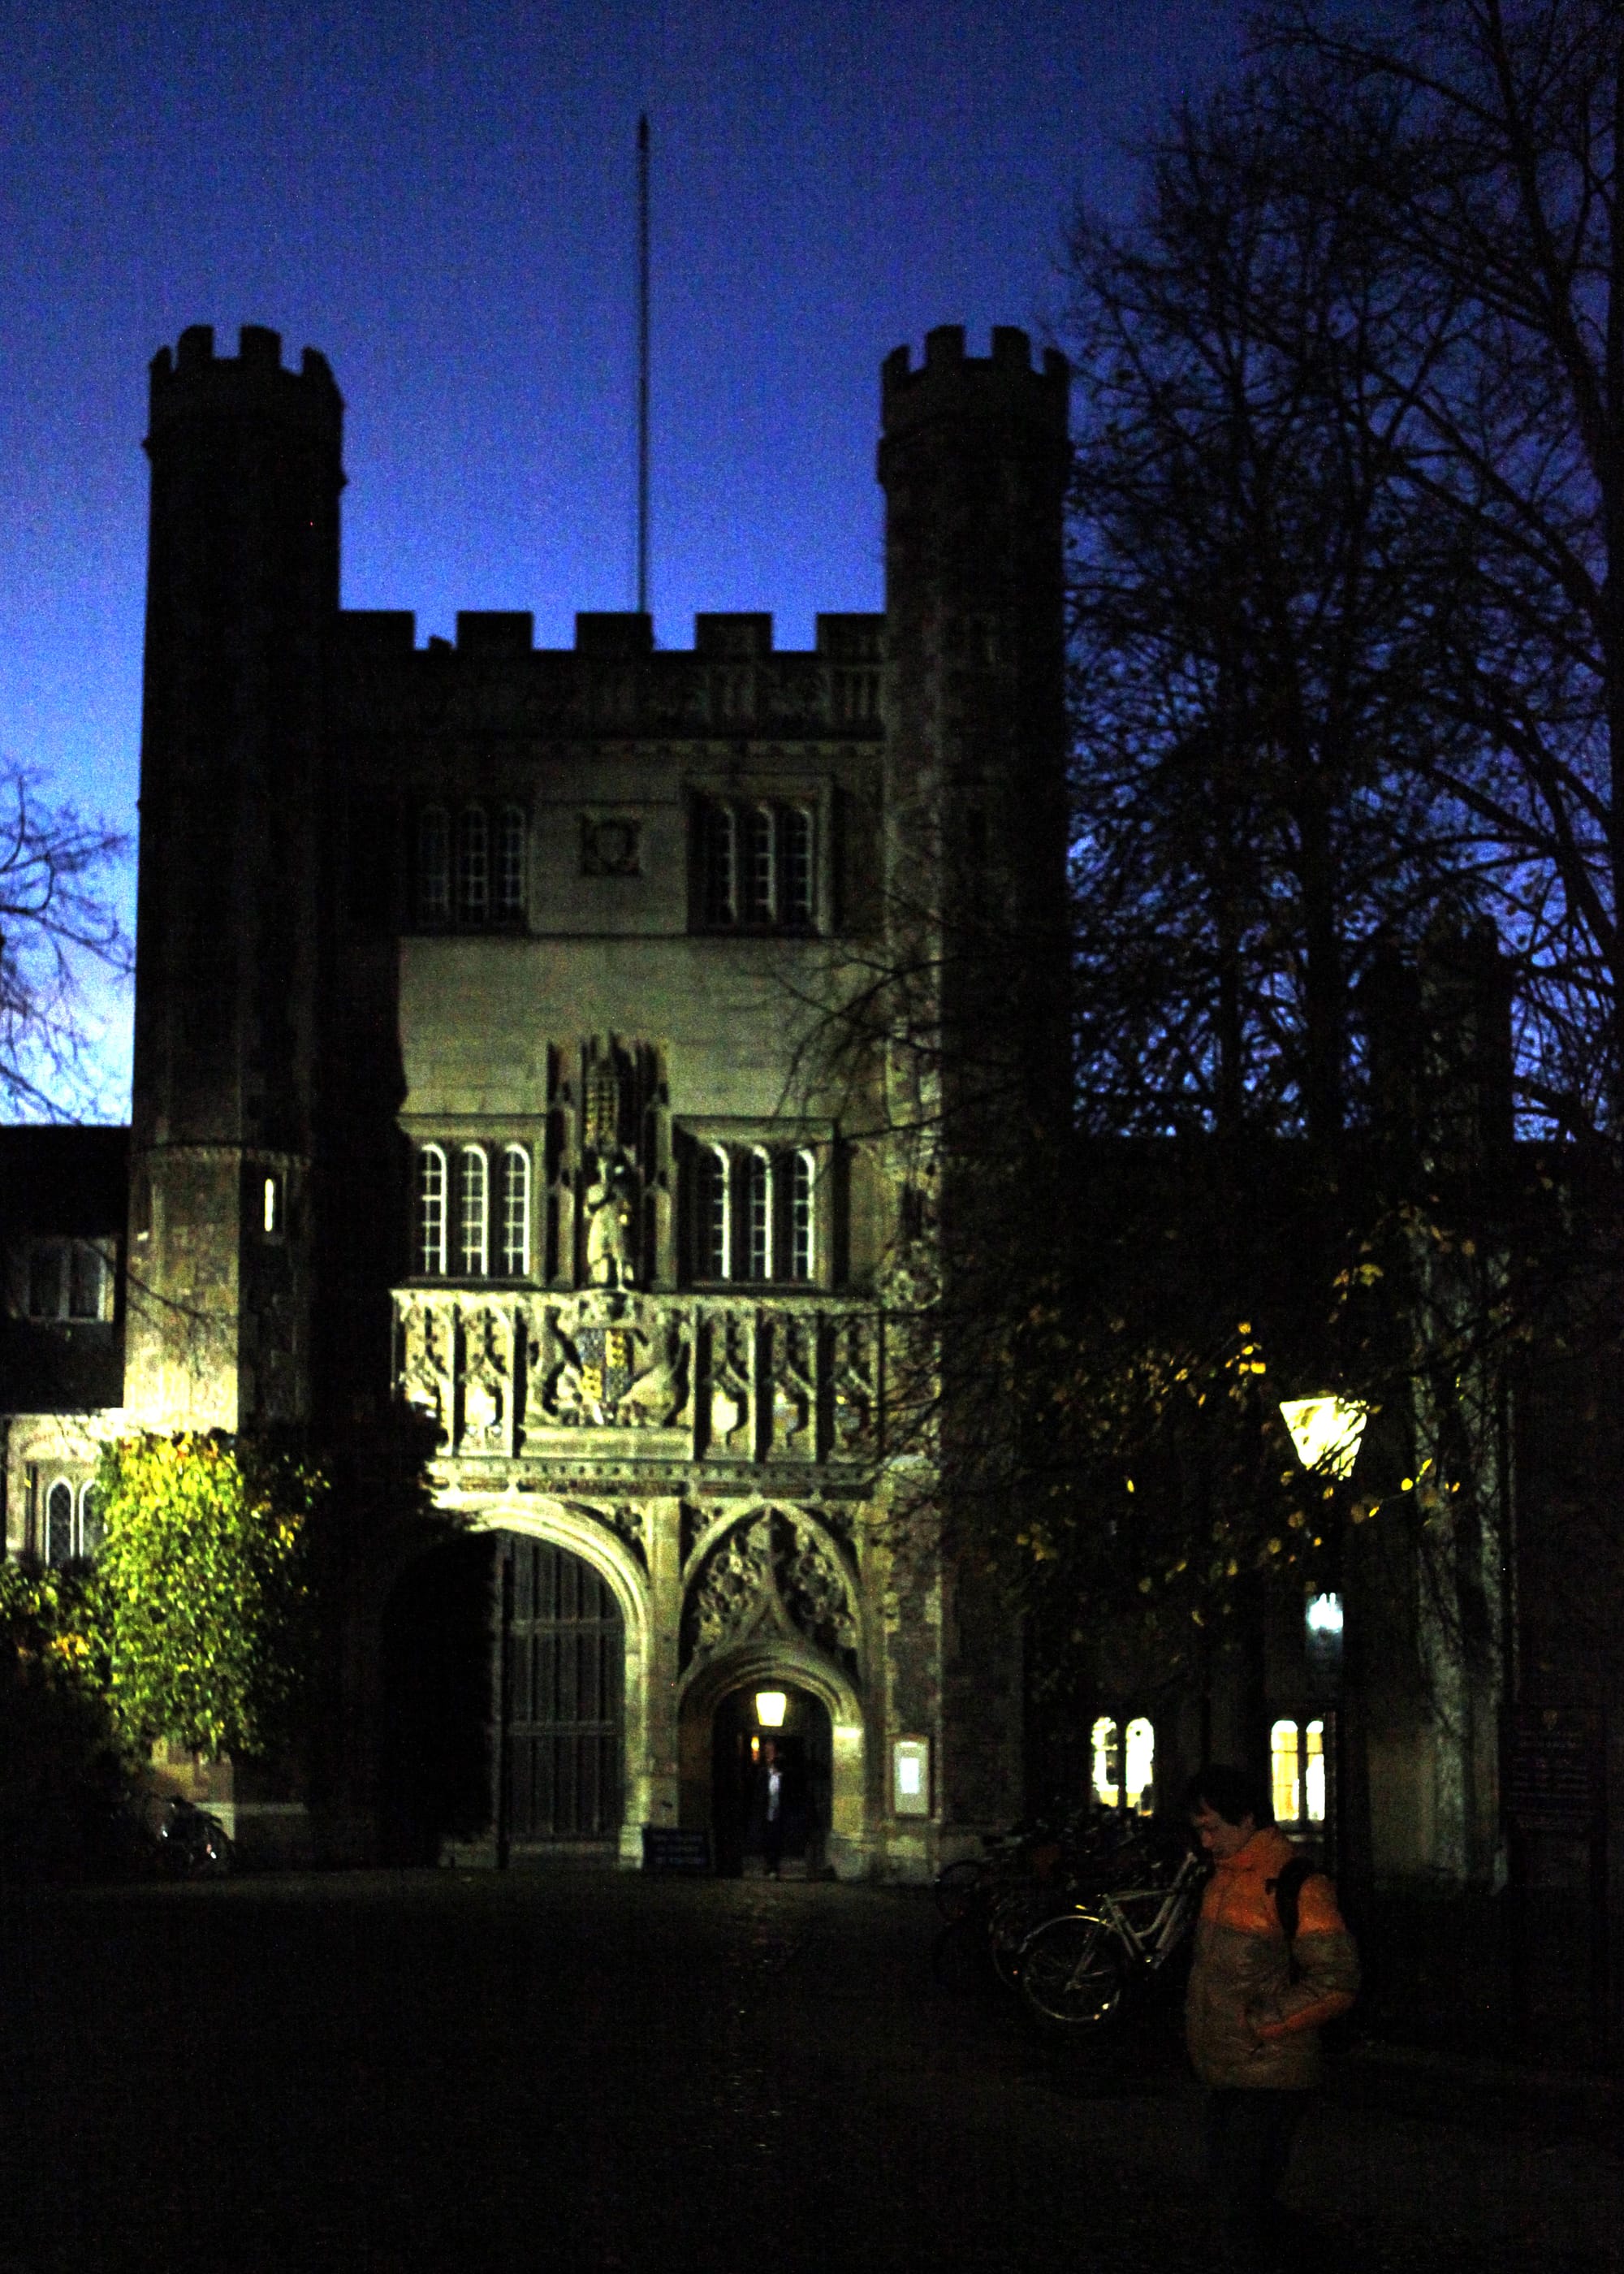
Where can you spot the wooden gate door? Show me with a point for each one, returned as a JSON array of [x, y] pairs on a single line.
[[562, 1673]]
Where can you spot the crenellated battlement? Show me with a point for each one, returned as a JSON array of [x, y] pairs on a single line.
[[194, 378], [951, 384]]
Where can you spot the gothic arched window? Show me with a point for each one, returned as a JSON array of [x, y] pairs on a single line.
[[90, 1525], [1296, 1772], [431, 1212], [761, 879], [802, 1225]]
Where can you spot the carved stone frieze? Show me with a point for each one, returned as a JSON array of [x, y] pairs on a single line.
[[616, 1375], [774, 1572]]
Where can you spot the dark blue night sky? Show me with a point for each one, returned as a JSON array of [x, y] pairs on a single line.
[[443, 198]]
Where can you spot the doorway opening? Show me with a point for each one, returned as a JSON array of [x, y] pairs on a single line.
[[504, 1686], [766, 1728]]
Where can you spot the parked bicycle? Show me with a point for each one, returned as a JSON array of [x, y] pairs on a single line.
[[993, 1902], [1075, 1970]]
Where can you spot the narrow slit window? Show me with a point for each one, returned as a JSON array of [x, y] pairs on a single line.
[[1138, 1772], [91, 1529], [1285, 1774], [802, 1226], [515, 1213], [431, 1212], [715, 1215], [434, 864], [797, 897], [59, 1524], [721, 903], [761, 878], [510, 865], [1107, 1744], [472, 1217], [84, 1280], [758, 1215], [473, 866], [1313, 1772]]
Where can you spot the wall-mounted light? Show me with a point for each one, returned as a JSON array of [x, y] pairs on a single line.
[[1326, 1430], [770, 1708], [1324, 1614]]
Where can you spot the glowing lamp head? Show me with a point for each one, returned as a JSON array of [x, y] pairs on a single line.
[[1326, 1431], [1324, 1614], [770, 1708]]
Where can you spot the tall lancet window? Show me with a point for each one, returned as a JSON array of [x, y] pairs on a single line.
[[473, 1215], [802, 1225], [758, 1215], [515, 1213], [510, 864], [431, 1212], [715, 1244]]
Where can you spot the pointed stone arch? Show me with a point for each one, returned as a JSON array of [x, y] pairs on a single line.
[[773, 1659]]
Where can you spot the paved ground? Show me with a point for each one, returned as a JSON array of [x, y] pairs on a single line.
[[381, 2072]]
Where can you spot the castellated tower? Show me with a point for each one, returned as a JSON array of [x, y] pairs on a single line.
[[241, 600], [973, 460]]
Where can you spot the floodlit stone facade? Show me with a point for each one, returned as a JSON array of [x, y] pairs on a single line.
[[494, 1093]]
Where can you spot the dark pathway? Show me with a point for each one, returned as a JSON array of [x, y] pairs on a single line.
[[379, 2072]]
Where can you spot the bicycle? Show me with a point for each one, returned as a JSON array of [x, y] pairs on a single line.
[[1075, 1969]]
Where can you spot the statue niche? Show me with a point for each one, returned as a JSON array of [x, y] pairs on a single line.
[[619, 1179]]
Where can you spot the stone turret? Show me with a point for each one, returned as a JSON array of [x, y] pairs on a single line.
[[973, 458], [233, 898]]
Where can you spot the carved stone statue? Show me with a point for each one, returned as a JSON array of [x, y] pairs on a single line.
[[608, 1228]]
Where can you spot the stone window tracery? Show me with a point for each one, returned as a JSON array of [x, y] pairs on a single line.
[[516, 1212], [753, 1214], [473, 877], [757, 865], [510, 864]]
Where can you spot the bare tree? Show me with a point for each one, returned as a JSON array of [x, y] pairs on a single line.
[[1268, 772], [60, 934], [1501, 210]]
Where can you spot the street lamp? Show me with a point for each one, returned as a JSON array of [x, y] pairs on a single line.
[[1326, 1430]]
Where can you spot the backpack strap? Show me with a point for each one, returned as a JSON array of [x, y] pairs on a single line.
[[1288, 1893]]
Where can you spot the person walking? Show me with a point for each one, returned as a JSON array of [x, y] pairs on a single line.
[[1256, 2003], [772, 1809]]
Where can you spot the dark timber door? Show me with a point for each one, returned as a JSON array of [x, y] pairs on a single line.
[[561, 1677]]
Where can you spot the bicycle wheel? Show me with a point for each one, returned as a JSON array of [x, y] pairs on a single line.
[[1014, 1916], [1070, 1971], [959, 1885]]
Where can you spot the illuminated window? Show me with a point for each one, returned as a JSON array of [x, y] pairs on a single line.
[[801, 1176], [1298, 1772], [516, 1212], [510, 864], [1106, 1762], [1124, 1764], [431, 1212], [473, 865], [434, 864], [472, 1213], [1140, 1767], [758, 1215]]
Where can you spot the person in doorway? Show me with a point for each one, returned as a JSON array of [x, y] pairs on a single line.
[[1256, 2003], [771, 1806]]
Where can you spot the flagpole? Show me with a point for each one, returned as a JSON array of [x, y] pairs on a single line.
[[643, 363]]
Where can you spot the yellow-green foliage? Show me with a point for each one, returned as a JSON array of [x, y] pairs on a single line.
[[203, 1589]]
